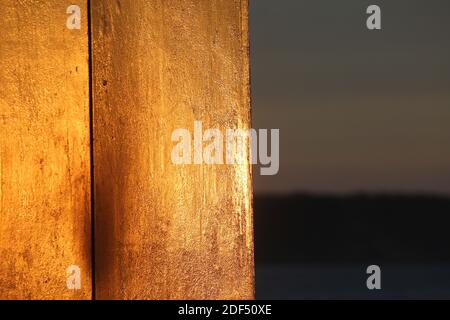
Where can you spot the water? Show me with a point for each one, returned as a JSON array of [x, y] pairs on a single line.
[[296, 281]]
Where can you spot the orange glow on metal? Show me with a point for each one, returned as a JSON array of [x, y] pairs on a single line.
[[44, 151], [165, 231], [162, 231]]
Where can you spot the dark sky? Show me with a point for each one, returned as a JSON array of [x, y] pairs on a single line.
[[358, 110]]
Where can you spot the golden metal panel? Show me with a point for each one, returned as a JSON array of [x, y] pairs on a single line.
[[165, 231], [44, 151]]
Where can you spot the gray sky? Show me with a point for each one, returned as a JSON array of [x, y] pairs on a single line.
[[358, 110]]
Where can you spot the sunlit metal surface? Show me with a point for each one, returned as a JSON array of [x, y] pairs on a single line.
[[165, 231], [44, 151]]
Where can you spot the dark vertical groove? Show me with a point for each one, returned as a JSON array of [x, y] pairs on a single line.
[[91, 133]]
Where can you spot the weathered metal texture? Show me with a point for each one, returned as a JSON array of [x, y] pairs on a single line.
[[44, 151], [166, 231]]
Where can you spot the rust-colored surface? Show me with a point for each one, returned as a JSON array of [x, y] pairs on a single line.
[[165, 231], [44, 151]]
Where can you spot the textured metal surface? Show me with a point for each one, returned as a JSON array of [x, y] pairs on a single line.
[[44, 151], [165, 231]]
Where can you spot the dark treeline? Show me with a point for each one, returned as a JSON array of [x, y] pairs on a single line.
[[306, 228]]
